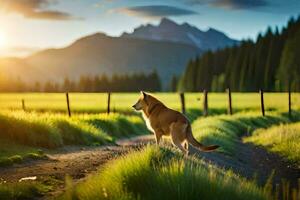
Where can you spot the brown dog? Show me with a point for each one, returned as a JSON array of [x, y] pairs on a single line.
[[162, 120]]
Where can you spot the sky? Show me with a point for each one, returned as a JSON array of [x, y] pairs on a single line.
[[30, 25]]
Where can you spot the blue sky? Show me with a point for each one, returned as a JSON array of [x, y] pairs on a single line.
[[26, 25]]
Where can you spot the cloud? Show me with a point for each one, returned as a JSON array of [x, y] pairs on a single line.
[[155, 11], [240, 4], [231, 4], [36, 9]]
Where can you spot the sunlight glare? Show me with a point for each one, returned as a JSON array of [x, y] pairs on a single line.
[[3, 39]]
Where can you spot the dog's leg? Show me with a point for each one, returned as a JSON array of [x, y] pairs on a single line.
[[177, 131], [176, 141], [157, 138], [158, 135], [178, 144]]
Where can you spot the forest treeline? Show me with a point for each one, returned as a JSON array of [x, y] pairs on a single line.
[[271, 63], [103, 83]]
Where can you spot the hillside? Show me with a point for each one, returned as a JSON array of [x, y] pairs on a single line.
[[130, 53], [97, 54], [271, 63]]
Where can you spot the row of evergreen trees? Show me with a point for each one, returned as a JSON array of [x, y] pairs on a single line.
[[116, 83], [271, 63]]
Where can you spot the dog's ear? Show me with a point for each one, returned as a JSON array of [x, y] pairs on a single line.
[[144, 94]]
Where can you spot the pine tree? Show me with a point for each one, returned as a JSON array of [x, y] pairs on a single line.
[[174, 83], [289, 70], [249, 66]]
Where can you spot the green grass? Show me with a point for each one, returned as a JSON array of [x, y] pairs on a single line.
[[23, 134], [152, 173], [225, 130], [122, 102], [160, 173], [54, 130], [282, 139], [22, 190], [11, 153]]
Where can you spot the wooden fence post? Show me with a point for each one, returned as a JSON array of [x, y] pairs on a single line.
[[262, 102], [108, 102], [205, 103], [182, 100], [229, 111], [290, 103], [68, 104], [23, 105]]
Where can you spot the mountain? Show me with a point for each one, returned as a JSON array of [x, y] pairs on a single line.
[[168, 30], [98, 54], [166, 48]]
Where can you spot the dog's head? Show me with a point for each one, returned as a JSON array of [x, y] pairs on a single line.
[[142, 102]]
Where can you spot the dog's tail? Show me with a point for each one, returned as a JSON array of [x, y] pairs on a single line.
[[195, 143]]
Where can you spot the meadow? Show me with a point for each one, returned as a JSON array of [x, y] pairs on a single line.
[[44, 125], [166, 173], [122, 102]]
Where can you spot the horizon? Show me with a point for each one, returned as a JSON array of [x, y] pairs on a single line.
[[42, 24]]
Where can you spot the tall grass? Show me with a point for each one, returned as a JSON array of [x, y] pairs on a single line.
[[55, 130], [159, 173], [282, 139], [225, 130]]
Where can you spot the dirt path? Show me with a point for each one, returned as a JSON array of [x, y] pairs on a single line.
[[254, 162], [78, 162], [75, 161]]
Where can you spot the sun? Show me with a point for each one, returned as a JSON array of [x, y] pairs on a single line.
[[3, 39]]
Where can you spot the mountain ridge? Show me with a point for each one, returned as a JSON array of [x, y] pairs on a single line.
[[168, 30], [99, 53]]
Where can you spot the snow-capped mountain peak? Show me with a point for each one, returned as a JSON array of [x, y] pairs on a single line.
[[168, 30]]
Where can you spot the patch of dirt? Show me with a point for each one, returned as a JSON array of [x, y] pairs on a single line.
[[255, 162], [74, 161], [78, 162], [265, 162]]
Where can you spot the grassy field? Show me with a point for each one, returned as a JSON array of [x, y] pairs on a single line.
[[152, 166], [160, 173], [282, 139], [165, 173], [22, 134], [26, 135], [122, 102]]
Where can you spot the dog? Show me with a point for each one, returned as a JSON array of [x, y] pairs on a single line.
[[162, 120]]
